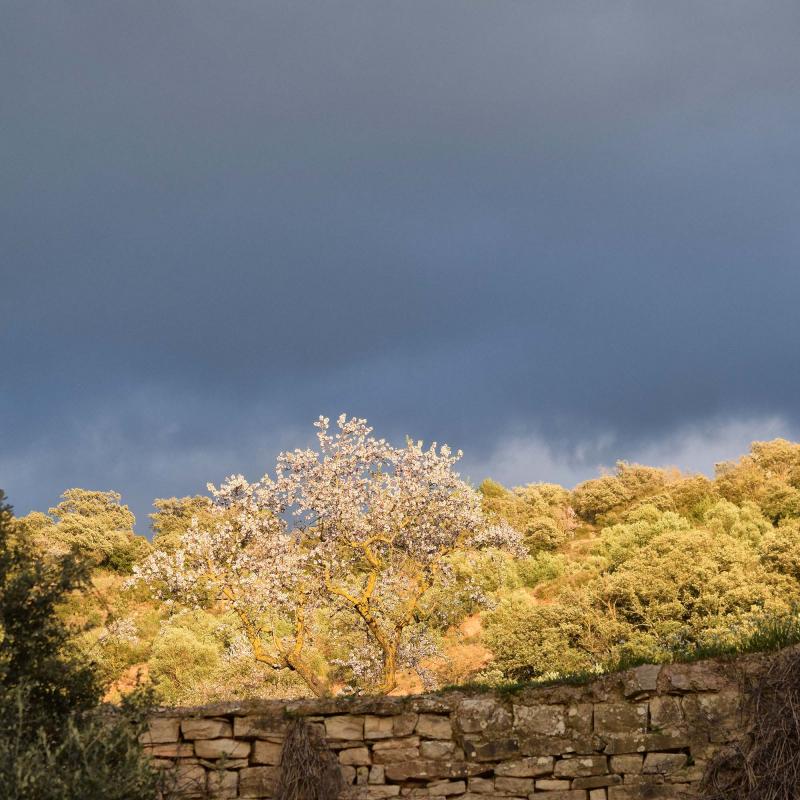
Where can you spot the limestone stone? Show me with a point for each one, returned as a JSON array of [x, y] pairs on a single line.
[[345, 727], [221, 748], [514, 786], [377, 774], [222, 783], [355, 756], [395, 755], [436, 748], [404, 724], [597, 794], [627, 764], [579, 718], [382, 791], [260, 727], [190, 781], [230, 763], [580, 767], [620, 718], [663, 763], [422, 770], [493, 750], [566, 794], [378, 727], [596, 781], [552, 785], [362, 776], [434, 726], [393, 744], [445, 788], [665, 712], [258, 781], [481, 785], [531, 767], [699, 677], [642, 680], [171, 750], [478, 714], [348, 774], [546, 719], [267, 753], [161, 730], [206, 729]]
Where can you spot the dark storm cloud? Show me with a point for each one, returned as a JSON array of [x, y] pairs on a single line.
[[562, 223]]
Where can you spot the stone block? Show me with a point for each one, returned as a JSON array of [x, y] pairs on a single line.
[[260, 727], [663, 763], [580, 717], [446, 788], [267, 753], [665, 712], [631, 764], [377, 774], [171, 750], [549, 720], [434, 726], [641, 680], [436, 748], [531, 767], [161, 730], [396, 755], [552, 785], [355, 756], [344, 727], [377, 792], [189, 781], [348, 774], [513, 786], [222, 783], [481, 785], [206, 729], [404, 724], [620, 718], [378, 727], [258, 781], [479, 714], [229, 763], [494, 750], [597, 794], [566, 794], [362, 776], [596, 781], [581, 767], [221, 748], [427, 770], [699, 677], [394, 744]]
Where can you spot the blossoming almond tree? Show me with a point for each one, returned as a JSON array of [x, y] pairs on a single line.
[[360, 528]]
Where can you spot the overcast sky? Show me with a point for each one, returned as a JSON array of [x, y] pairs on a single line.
[[552, 234]]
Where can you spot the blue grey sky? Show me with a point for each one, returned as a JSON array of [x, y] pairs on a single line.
[[552, 234]]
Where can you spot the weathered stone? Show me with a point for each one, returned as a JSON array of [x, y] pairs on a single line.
[[538, 745], [434, 726], [221, 748], [525, 767], [437, 748], [700, 677], [394, 744], [344, 727], [644, 742], [223, 783], [378, 727], [620, 718], [206, 729], [552, 785], [190, 781], [641, 680], [481, 785], [396, 755], [446, 788], [544, 719], [258, 781], [663, 763], [478, 714], [229, 763], [597, 794], [362, 776], [382, 791], [267, 753], [716, 713], [566, 794], [377, 774], [161, 730], [491, 751], [404, 724], [348, 774], [665, 712], [260, 727], [580, 717], [626, 764], [514, 786], [596, 781], [355, 756], [171, 750], [580, 767], [426, 770], [645, 792]]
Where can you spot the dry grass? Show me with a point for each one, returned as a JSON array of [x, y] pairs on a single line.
[[309, 770], [765, 765]]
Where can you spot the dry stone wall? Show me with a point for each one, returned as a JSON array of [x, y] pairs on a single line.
[[645, 733]]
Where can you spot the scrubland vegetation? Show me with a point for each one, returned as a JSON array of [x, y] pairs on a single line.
[[363, 567]]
